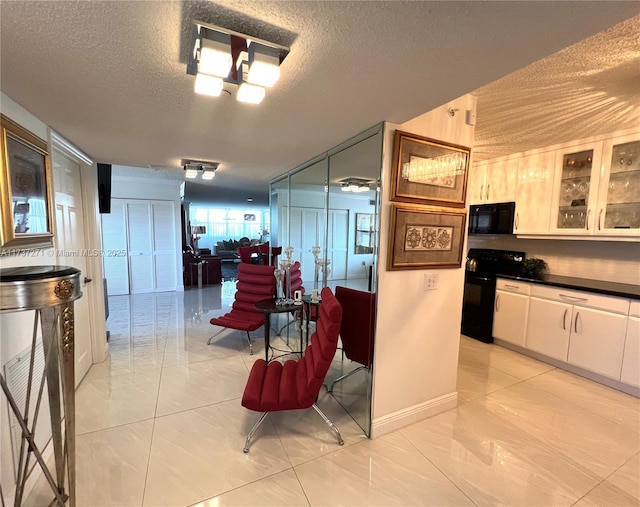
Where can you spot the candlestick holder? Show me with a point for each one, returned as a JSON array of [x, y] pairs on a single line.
[[279, 274], [286, 267], [315, 250]]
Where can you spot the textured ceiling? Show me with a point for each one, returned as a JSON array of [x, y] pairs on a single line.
[[110, 76]]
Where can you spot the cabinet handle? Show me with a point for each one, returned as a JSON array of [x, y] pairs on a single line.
[[600, 220], [512, 286], [564, 319], [573, 298], [517, 220], [575, 323], [588, 215], [498, 303], [481, 191], [488, 186]]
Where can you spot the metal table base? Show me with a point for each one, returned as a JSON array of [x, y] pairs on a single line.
[[50, 291]]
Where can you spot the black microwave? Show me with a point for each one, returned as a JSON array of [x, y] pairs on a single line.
[[491, 218]]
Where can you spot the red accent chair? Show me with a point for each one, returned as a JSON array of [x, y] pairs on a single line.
[[357, 329], [255, 283], [245, 253], [269, 255], [295, 385]]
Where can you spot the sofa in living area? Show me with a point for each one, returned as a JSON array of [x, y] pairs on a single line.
[[228, 249], [212, 268]]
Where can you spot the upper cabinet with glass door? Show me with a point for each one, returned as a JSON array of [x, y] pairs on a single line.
[[576, 189], [619, 196], [597, 188]]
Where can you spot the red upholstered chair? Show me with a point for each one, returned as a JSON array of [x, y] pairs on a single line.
[[269, 255], [245, 253], [255, 283], [357, 328], [295, 385]]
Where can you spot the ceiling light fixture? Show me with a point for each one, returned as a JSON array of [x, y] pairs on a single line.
[[215, 49], [208, 85], [247, 92], [199, 168], [355, 185]]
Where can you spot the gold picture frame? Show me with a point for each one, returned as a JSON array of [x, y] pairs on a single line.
[[425, 238], [26, 192], [426, 171]]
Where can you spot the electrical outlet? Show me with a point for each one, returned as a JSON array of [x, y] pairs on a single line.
[[430, 281]]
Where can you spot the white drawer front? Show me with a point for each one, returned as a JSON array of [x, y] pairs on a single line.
[[513, 286], [580, 298], [634, 309]]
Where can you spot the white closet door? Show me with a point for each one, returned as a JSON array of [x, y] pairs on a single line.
[[164, 245], [338, 238], [307, 231], [114, 238], [139, 227]]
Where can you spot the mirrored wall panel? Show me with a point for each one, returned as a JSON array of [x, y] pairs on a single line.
[[328, 211]]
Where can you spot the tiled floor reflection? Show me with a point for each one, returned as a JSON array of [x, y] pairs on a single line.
[[160, 423]]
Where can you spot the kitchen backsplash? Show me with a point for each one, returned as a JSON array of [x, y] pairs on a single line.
[[598, 260]]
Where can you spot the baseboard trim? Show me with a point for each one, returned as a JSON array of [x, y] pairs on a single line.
[[396, 420]]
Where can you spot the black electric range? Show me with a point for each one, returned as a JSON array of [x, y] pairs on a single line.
[[483, 267]]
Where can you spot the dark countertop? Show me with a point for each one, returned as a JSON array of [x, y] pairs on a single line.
[[625, 290]]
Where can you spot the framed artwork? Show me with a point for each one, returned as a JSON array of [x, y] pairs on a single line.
[[426, 171], [25, 189], [365, 233], [422, 237]]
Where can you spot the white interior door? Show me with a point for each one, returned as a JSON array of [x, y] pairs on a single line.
[[70, 240], [307, 231], [114, 239], [337, 240], [145, 230], [164, 245], [139, 227]]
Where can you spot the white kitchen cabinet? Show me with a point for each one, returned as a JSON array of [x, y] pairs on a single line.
[[581, 328], [536, 173], [492, 181], [549, 327], [597, 341], [618, 203], [631, 358], [510, 311], [575, 189]]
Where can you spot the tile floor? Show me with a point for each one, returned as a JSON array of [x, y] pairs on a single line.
[[160, 423]]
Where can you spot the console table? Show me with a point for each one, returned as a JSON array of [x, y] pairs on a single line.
[[50, 291]]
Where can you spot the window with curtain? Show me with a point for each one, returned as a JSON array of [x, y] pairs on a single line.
[[225, 224]]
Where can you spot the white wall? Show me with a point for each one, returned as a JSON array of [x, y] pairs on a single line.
[[139, 184], [16, 328], [417, 332]]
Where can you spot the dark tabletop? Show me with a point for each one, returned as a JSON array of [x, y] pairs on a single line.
[[269, 306]]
